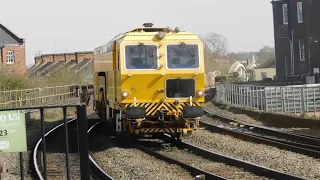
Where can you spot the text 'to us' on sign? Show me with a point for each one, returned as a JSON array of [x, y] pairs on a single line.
[[13, 136]]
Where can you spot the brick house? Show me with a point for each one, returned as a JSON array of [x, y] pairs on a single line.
[[45, 64], [77, 56], [12, 52], [297, 39]]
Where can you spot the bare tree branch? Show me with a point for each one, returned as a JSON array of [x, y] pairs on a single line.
[[215, 47], [216, 43]]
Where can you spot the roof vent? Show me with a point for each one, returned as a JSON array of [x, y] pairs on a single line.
[[148, 24]]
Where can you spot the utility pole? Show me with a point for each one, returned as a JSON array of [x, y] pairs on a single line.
[[55, 46]]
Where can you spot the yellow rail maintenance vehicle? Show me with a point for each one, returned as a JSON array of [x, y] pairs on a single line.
[[151, 80]]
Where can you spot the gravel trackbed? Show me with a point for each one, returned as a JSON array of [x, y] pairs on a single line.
[[131, 163], [271, 157]]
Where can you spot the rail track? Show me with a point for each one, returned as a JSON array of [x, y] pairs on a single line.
[[151, 147], [302, 144], [247, 166], [56, 151], [99, 171], [194, 171], [55, 169], [312, 140], [126, 140]]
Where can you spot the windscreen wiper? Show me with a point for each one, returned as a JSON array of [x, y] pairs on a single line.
[[191, 54]]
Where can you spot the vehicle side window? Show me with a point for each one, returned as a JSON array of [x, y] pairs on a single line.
[[118, 55]]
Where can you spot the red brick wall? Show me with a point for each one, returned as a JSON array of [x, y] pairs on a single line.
[[19, 66], [48, 58], [38, 59], [63, 57], [82, 56], [59, 57], [71, 57]]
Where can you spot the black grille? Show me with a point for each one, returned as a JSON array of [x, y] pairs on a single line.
[[180, 88]]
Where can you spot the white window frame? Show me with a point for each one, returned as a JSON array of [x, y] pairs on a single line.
[[125, 59], [181, 69], [301, 50], [10, 57], [299, 12], [285, 13]]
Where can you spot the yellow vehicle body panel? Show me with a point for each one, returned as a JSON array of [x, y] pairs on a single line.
[[146, 87], [111, 89]]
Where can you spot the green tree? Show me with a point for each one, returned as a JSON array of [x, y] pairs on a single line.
[[265, 54], [241, 56], [10, 81]]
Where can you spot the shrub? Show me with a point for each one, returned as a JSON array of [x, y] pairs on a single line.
[[9, 81], [62, 76]]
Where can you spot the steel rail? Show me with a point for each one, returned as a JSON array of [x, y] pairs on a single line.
[[98, 169], [306, 146], [193, 170], [36, 148], [123, 138], [254, 168], [305, 139], [262, 139]]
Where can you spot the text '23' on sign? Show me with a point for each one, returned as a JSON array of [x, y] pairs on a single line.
[[13, 137]]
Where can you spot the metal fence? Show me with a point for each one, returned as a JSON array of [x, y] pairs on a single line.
[[40, 96], [41, 164], [297, 99]]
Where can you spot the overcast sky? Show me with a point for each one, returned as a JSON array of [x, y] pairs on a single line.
[[79, 25]]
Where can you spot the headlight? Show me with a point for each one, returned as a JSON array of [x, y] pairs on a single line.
[[125, 94], [200, 93], [161, 35]]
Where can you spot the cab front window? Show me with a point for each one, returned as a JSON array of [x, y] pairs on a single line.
[[182, 56], [141, 57]]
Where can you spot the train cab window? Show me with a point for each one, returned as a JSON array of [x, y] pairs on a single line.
[[182, 56], [141, 57]]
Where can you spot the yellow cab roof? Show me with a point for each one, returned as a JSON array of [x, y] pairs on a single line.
[[145, 33], [152, 31]]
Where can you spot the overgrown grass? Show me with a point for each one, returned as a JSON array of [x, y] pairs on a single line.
[[64, 76], [59, 77], [9, 81], [56, 114]]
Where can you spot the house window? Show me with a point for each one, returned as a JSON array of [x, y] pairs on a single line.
[[10, 57], [299, 12], [301, 50], [285, 13], [264, 75]]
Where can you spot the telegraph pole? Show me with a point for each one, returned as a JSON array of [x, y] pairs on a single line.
[[55, 46]]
